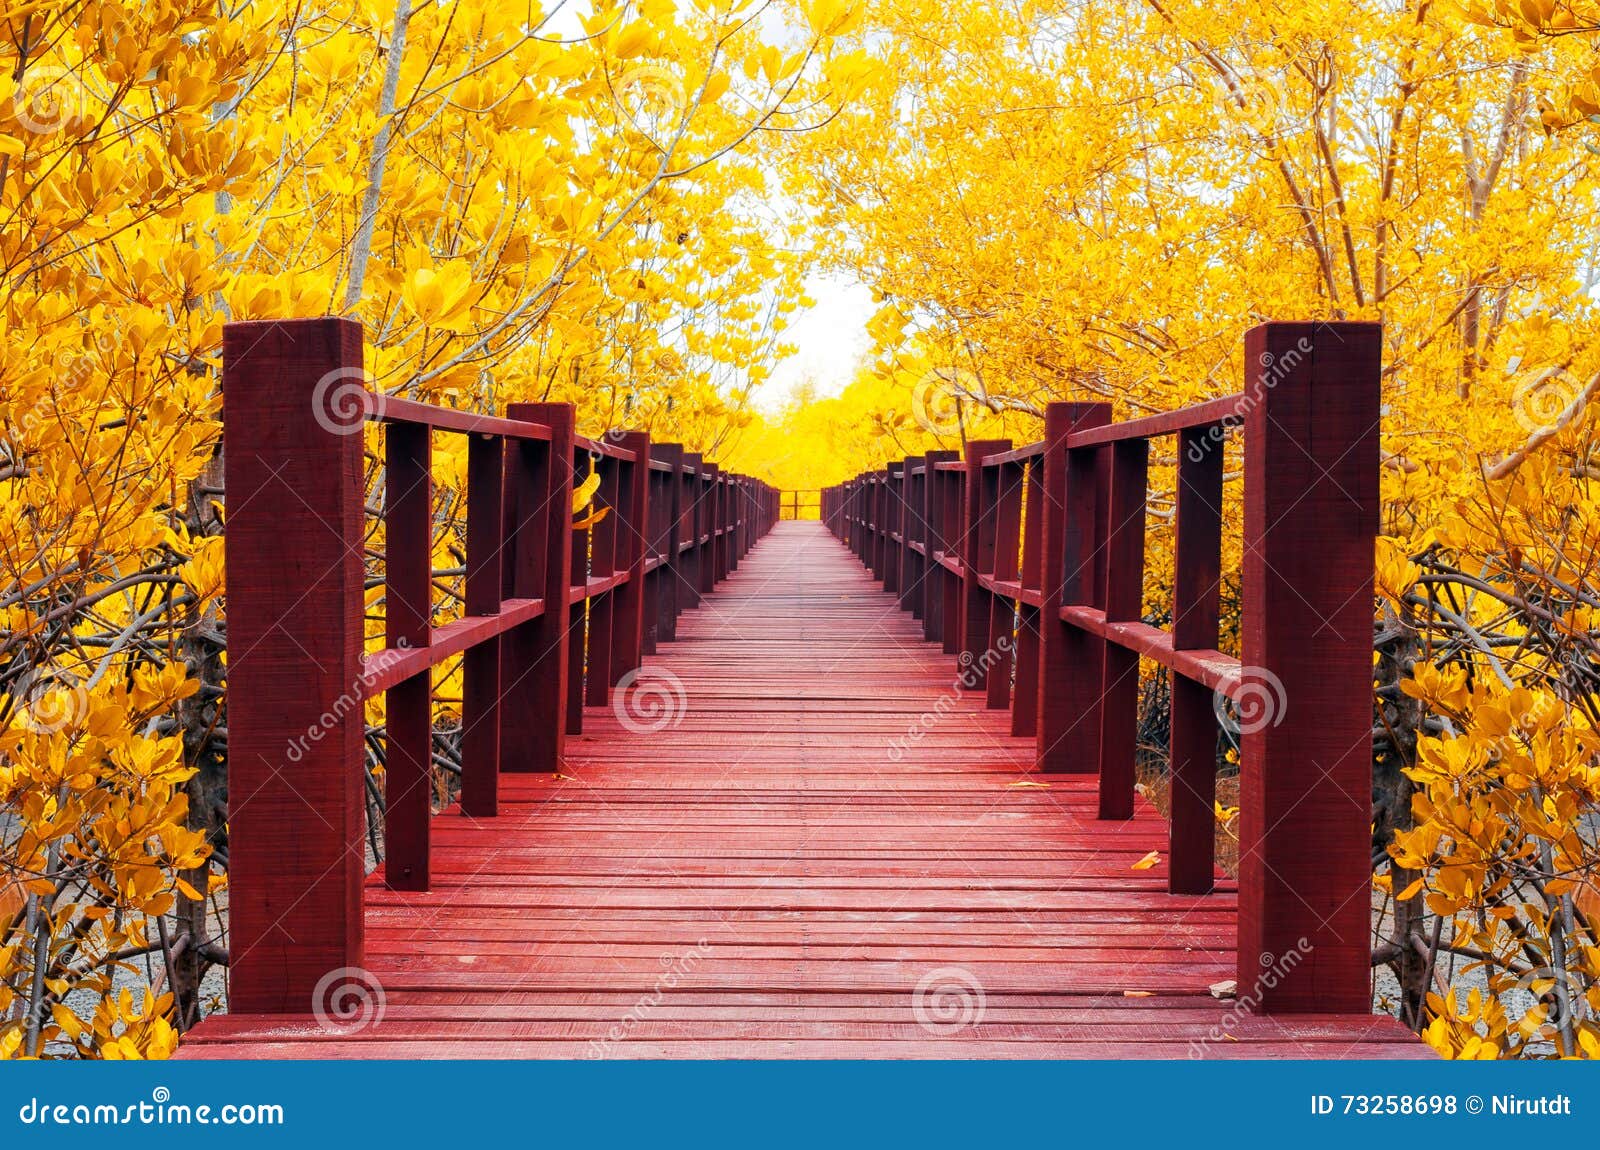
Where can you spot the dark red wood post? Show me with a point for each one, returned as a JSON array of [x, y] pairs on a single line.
[[296, 792], [632, 534], [912, 529], [533, 721], [978, 547], [894, 514], [1192, 740], [669, 576], [1026, 698], [578, 665], [693, 517], [710, 519], [604, 549], [719, 525], [1070, 660], [1124, 602], [408, 707], [480, 714], [932, 584], [1004, 493], [951, 527], [1310, 518]]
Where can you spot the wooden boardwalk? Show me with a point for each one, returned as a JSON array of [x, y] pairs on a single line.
[[823, 851]]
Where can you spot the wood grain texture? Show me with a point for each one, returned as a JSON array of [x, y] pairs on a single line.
[[776, 869], [296, 809]]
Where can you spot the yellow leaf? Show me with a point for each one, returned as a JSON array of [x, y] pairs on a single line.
[[1148, 861]]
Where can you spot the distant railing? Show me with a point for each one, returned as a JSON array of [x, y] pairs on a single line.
[[1028, 565], [554, 618], [801, 503]]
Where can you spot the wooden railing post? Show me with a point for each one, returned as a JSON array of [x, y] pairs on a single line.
[[911, 530], [408, 708], [692, 506], [1027, 698], [1192, 722], [1310, 518], [934, 497], [296, 800], [668, 577], [1123, 600], [481, 664], [894, 516], [1004, 494], [534, 669], [978, 546], [1070, 660], [632, 535]]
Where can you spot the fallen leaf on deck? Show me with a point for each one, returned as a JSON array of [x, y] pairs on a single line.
[[1227, 988], [1029, 783], [1148, 861], [1138, 994]]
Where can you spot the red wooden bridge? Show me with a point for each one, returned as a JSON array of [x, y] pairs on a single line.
[[859, 788]]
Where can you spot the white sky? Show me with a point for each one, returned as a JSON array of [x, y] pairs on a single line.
[[829, 338]]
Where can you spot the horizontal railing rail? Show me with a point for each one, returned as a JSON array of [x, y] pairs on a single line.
[[555, 616], [1027, 563]]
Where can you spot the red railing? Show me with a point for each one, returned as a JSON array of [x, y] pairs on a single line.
[[1028, 564], [294, 407]]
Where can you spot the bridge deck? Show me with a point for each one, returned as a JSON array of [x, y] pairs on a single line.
[[762, 877]]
